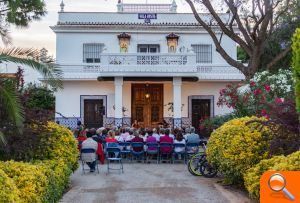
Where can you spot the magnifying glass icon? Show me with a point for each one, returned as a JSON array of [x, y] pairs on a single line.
[[277, 183]]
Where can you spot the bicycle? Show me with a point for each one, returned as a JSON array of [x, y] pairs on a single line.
[[199, 166]]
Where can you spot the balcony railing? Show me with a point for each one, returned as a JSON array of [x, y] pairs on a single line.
[[149, 59], [157, 64]]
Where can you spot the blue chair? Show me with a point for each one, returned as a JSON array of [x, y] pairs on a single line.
[[153, 151], [137, 154], [192, 148], [125, 149], [166, 154], [181, 153], [88, 156], [114, 154]]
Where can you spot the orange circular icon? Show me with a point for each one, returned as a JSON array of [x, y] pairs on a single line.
[[277, 182]]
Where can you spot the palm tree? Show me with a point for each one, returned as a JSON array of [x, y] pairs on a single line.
[[8, 93]]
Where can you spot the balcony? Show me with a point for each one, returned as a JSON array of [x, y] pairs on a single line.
[[149, 65]]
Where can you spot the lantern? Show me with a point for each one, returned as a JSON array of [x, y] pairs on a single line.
[[172, 40], [124, 40]]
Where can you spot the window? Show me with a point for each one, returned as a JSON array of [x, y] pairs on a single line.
[[203, 53], [92, 53], [148, 48]]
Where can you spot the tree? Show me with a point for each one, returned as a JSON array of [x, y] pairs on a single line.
[[19, 13], [255, 20], [296, 66]]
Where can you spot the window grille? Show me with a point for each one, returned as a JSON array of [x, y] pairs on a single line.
[[203, 53], [92, 52]]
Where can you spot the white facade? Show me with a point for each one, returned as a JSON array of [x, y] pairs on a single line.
[[182, 73]]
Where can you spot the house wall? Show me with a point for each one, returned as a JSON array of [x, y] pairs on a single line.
[[68, 99], [70, 45]]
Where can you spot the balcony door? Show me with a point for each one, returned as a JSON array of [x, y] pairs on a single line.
[[147, 104], [145, 57]]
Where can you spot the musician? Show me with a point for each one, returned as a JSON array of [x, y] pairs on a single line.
[[135, 124]]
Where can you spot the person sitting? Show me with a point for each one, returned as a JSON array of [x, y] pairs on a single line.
[[179, 140], [192, 138], [156, 135], [111, 140], [151, 139], [135, 124], [161, 132], [124, 137], [137, 138], [166, 139], [187, 133], [90, 143], [81, 137]]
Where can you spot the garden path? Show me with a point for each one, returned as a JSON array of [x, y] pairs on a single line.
[[147, 183]]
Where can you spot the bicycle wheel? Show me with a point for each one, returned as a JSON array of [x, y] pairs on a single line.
[[207, 170], [194, 164]]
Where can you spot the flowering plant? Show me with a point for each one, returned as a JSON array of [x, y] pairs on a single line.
[[255, 96]]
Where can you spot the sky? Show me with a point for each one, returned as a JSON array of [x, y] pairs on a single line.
[[39, 35]]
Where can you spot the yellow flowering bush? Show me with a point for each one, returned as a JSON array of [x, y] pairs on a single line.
[[278, 163], [46, 177], [61, 144], [9, 193], [30, 179], [238, 145]]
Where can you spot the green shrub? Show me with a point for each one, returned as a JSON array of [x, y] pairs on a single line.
[[45, 178], [9, 193], [237, 146], [278, 163], [296, 65], [61, 144]]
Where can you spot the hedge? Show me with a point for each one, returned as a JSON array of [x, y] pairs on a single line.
[[44, 179], [237, 146], [296, 65], [278, 163]]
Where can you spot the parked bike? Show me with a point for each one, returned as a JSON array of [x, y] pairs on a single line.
[[199, 166]]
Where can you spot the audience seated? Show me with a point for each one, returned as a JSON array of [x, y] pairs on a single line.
[[137, 138], [151, 139], [125, 136], [179, 140], [156, 135], [111, 140], [90, 143], [166, 139]]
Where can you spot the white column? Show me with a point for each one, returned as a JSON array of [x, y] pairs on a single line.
[[118, 101], [177, 82]]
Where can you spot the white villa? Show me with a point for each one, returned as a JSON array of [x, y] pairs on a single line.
[[145, 62]]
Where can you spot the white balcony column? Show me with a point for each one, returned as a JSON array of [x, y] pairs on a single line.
[[118, 101], [177, 82]]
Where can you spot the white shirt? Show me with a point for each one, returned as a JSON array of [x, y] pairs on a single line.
[[157, 136], [179, 149], [89, 144]]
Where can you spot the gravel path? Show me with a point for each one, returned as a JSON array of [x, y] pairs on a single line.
[[146, 183]]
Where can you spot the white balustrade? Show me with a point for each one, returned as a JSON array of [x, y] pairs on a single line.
[[141, 64]]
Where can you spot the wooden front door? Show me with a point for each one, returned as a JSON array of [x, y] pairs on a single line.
[[147, 104], [200, 110], [93, 113]]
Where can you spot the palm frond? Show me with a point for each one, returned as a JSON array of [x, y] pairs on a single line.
[[11, 102], [30, 57], [2, 138]]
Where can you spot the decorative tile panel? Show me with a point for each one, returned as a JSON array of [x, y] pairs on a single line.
[[177, 122], [127, 121], [70, 122], [186, 122], [108, 122], [118, 122]]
